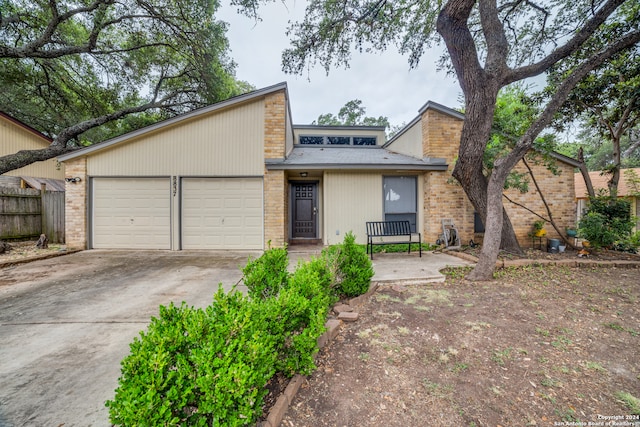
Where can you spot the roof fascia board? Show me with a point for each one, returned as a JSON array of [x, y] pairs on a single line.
[[177, 119], [442, 109], [326, 166], [317, 127]]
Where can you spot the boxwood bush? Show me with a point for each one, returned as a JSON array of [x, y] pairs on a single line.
[[209, 367]]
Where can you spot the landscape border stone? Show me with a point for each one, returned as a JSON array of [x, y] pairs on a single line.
[[573, 263], [279, 409]]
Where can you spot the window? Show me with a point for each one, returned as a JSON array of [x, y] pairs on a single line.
[[312, 140], [361, 140], [400, 199], [337, 140]]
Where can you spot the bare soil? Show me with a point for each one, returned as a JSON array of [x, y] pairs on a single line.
[[538, 346], [24, 250]]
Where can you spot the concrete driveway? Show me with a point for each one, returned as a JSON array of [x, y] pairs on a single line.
[[66, 322]]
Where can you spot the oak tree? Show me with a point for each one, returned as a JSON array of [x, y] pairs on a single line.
[[491, 44]]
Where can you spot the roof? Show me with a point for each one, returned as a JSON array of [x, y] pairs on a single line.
[[177, 119], [599, 180], [430, 105], [353, 158], [25, 127]]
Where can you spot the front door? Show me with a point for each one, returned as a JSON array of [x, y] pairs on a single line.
[[304, 210]]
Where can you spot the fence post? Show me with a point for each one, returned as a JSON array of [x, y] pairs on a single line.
[[43, 219]]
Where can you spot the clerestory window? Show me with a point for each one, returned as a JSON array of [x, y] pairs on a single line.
[[337, 140]]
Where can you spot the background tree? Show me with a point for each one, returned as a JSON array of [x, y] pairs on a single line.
[[352, 114], [83, 71], [491, 44], [607, 102]]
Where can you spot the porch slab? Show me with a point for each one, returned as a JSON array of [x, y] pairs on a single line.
[[397, 268]]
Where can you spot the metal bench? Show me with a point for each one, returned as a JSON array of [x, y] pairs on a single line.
[[396, 229]]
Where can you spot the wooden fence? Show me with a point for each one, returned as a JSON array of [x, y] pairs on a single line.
[[27, 213]]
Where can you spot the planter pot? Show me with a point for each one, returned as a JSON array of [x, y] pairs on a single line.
[[572, 233], [540, 233]]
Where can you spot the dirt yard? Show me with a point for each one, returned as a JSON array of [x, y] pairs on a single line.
[[538, 346]]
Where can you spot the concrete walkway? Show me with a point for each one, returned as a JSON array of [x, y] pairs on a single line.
[[400, 267]]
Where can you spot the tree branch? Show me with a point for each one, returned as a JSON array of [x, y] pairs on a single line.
[[566, 49]]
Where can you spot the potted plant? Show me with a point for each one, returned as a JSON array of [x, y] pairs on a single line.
[[538, 229]]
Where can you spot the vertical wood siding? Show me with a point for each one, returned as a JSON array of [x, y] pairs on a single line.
[[351, 199], [226, 143], [409, 143], [13, 138]]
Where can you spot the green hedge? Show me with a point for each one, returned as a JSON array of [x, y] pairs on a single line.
[[209, 367]]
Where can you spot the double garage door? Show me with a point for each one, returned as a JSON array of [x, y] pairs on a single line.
[[212, 213]]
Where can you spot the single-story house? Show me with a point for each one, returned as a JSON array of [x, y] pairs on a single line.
[[240, 175], [15, 136], [627, 188]]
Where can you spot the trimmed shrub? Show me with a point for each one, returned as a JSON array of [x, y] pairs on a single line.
[[266, 275], [350, 266], [197, 367], [209, 367]]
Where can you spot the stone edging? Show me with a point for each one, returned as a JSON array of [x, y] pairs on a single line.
[[561, 262], [279, 409]]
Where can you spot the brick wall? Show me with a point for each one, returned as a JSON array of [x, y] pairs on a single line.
[[275, 182], [558, 191], [76, 204], [443, 196]]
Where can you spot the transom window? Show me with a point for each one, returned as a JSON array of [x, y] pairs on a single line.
[[401, 199], [336, 140]]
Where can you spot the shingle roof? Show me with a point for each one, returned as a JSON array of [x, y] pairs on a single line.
[[599, 181], [353, 158]]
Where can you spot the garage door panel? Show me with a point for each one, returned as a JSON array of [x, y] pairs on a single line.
[[131, 213], [222, 213]]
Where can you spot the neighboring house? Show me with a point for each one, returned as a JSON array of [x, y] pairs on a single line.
[[240, 175], [16, 136], [626, 188]]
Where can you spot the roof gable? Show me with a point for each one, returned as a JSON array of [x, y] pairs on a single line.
[[192, 115], [15, 122]]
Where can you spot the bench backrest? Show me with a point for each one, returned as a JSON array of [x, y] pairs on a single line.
[[388, 228]]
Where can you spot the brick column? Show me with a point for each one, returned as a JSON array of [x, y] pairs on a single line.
[[443, 196], [275, 182], [75, 211]]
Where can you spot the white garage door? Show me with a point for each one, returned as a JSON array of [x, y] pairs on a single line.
[[131, 213], [222, 213]]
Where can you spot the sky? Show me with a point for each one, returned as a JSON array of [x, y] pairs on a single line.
[[383, 81]]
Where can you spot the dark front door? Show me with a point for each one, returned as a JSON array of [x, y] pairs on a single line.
[[304, 209]]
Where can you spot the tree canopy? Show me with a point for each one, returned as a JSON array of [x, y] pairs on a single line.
[[352, 114], [85, 70], [491, 44], [607, 103]]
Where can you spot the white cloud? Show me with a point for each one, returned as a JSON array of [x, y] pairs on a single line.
[[382, 81]]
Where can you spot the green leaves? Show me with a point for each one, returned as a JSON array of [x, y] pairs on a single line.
[[62, 63]]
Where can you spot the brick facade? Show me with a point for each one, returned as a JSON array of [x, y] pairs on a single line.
[[75, 211], [445, 198], [276, 210]]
